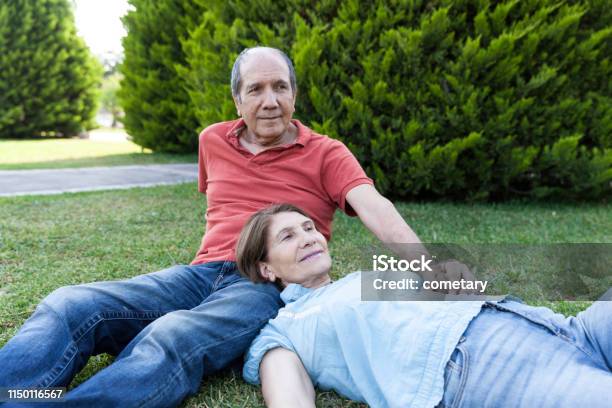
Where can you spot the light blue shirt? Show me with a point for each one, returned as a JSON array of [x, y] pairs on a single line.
[[386, 354]]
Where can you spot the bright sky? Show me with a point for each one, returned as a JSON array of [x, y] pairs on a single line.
[[98, 22]]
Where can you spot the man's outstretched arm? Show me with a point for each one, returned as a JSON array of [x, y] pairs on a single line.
[[381, 217], [284, 380]]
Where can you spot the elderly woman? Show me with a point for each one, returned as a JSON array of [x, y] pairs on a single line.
[[409, 354]]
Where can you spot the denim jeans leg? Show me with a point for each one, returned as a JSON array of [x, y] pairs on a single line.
[[596, 329], [166, 361], [590, 330], [516, 362], [75, 322]]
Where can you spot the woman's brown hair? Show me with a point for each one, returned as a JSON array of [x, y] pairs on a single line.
[[252, 243]]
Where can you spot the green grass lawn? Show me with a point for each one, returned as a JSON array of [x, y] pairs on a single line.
[[51, 241], [74, 152]]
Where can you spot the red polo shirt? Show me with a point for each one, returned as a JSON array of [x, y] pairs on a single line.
[[314, 173]]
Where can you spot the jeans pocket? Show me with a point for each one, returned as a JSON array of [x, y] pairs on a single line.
[[455, 376]]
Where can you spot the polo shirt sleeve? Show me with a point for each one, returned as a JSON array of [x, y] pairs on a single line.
[[269, 338], [340, 173], [202, 174]]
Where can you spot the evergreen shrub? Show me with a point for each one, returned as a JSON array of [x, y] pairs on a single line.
[[158, 112], [48, 79], [466, 99]]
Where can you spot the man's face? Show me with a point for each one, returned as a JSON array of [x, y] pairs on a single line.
[[266, 100]]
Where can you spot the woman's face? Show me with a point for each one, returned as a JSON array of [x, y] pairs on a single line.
[[297, 252]]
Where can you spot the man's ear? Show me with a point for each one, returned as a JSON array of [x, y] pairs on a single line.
[[237, 104], [294, 99], [266, 272]]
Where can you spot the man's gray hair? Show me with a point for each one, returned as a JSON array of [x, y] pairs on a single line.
[[237, 80]]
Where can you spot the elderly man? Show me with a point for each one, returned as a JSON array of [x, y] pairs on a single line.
[[170, 328]]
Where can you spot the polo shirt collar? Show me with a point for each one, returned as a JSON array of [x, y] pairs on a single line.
[[304, 133]]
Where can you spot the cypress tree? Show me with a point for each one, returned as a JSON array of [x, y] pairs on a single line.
[[158, 111], [48, 79]]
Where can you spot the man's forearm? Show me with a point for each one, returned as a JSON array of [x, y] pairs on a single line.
[[381, 217], [391, 229]]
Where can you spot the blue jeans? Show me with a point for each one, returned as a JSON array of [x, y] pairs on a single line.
[[168, 329], [514, 355]]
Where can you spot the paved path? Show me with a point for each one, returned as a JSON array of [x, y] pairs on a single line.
[[57, 181]]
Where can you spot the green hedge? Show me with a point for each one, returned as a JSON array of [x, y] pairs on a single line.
[[467, 99], [438, 99], [48, 79], [158, 112]]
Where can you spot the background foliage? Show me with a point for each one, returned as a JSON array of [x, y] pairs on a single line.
[[158, 112], [109, 101], [461, 99], [466, 99], [48, 79]]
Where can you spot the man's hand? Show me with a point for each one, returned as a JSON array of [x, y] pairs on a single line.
[[450, 270]]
